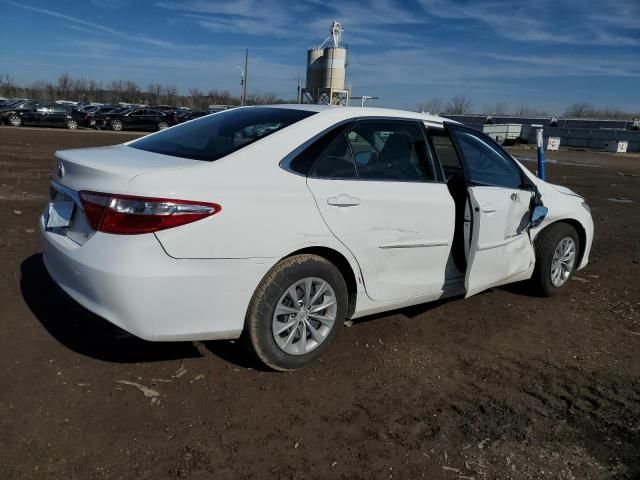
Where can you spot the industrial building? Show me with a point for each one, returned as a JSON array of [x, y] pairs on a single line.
[[573, 132], [326, 71]]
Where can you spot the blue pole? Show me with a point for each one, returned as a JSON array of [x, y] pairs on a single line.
[[540, 141]]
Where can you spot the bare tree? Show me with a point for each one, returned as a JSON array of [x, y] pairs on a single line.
[[8, 86], [524, 110], [580, 110], [499, 108], [170, 94], [131, 92], [434, 106], [80, 89], [154, 91], [65, 83], [459, 105]]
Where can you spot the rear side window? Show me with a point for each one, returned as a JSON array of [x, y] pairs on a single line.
[[303, 162], [336, 162], [215, 136], [445, 150]]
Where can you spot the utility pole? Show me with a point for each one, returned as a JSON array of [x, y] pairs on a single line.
[[246, 76], [298, 99], [241, 85]]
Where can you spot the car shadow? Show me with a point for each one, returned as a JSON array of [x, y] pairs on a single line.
[[523, 289], [83, 332], [234, 352]]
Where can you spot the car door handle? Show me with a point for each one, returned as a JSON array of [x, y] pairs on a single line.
[[515, 197], [343, 200], [488, 208]]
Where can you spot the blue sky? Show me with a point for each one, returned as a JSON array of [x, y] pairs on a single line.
[[544, 53]]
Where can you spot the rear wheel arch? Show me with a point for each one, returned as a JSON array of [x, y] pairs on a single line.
[[342, 264]]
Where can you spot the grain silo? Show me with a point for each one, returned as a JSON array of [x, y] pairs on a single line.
[[326, 71], [335, 60], [315, 70]]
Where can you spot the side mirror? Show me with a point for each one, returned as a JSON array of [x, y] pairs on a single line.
[[538, 215]]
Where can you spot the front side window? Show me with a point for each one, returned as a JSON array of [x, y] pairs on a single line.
[[213, 137], [486, 164]]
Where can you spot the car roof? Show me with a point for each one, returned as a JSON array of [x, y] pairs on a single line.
[[345, 113]]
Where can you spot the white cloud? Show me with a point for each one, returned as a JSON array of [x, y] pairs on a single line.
[[94, 26]]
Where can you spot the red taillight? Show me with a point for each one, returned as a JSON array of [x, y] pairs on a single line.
[[129, 215]]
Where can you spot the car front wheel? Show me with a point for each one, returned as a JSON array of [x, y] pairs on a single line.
[[163, 125], [117, 125], [296, 312], [557, 249], [72, 124]]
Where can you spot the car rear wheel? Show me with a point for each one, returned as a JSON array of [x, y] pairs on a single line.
[[163, 125], [117, 125], [72, 124], [15, 120], [557, 248], [296, 312]]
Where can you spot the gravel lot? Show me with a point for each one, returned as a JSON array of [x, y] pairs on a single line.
[[503, 385]]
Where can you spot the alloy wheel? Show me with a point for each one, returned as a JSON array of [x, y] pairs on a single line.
[[304, 316], [563, 261]]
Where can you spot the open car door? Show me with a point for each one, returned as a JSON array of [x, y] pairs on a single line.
[[500, 249], [500, 202]]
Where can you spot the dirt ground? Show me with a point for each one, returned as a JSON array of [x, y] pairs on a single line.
[[502, 385]]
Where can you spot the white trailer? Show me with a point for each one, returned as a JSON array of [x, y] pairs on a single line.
[[507, 132]]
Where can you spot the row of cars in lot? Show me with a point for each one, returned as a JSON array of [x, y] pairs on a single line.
[[17, 112]]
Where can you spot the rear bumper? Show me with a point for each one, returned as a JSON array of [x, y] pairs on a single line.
[[131, 282]]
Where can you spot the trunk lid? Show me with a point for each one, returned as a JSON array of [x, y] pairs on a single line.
[[109, 168], [102, 169]]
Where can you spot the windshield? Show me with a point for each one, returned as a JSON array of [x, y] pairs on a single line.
[[215, 136]]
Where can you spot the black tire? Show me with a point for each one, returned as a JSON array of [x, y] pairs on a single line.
[[162, 126], [72, 124], [258, 335], [545, 245], [117, 125]]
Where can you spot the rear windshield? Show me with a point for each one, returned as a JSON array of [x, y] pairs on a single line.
[[215, 136]]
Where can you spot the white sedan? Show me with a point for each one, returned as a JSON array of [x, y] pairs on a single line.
[[276, 223]]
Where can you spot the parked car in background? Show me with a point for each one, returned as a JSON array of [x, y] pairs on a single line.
[[11, 113], [12, 101], [85, 117], [162, 108], [88, 108], [277, 223], [44, 115], [134, 119], [182, 117]]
